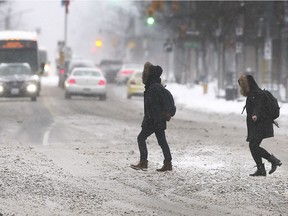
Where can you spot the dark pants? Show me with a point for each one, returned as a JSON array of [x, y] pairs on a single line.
[[161, 138], [257, 152]]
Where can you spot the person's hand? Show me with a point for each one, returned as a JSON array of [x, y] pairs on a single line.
[[166, 116], [254, 118]]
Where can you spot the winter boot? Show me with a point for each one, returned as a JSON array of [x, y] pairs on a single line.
[[260, 170], [274, 163], [167, 166], [142, 165]]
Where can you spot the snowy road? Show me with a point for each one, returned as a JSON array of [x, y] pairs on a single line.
[[72, 157]]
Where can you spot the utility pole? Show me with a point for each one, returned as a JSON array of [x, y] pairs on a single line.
[[8, 19], [268, 45], [65, 3], [168, 47], [8, 15], [259, 50], [220, 53], [62, 47], [285, 45], [239, 41]]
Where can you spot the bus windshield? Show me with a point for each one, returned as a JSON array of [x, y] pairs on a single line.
[[20, 47], [27, 55]]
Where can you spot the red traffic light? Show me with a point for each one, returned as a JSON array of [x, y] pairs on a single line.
[[66, 4]]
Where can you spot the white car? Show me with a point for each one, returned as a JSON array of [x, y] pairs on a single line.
[[85, 81]]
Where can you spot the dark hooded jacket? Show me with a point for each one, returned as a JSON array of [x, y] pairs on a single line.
[[255, 105], [153, 96]]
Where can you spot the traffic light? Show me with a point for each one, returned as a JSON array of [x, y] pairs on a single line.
[[98, 43], [66, 4], [150, 19], [157, 5], [150, 11], [175, 6]]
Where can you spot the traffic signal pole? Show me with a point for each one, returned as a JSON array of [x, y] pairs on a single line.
[[62, 46], [65, 28], [66, 4]]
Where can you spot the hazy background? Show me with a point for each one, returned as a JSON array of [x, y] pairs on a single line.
[[88, 20]]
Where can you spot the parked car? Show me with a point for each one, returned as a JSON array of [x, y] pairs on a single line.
[[110, 69], [135, 87], [18, 80], [126, 71], [84, 81]]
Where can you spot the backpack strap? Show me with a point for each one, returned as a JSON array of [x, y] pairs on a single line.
[[243, 109], [276, 123]]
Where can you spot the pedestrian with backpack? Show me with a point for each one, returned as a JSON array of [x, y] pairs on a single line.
[[154, 120], [259, 123]]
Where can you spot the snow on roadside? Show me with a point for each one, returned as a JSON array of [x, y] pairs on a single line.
[[194, 98]]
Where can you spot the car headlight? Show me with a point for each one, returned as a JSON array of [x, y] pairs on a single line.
[[46, 68], [1, 88], [35, 77], [31, 88]]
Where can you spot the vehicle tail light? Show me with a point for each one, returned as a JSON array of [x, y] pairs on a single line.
[[133, 82], [102, 82], [127, 72], [62, 71], [71, 81]]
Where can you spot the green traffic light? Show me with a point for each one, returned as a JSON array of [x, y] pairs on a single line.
[[150, 20]]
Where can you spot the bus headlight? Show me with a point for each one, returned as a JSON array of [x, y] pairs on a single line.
[[1, 89], [31, 88], [46, 68]]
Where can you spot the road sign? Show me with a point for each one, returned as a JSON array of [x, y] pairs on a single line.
[[191, 44]]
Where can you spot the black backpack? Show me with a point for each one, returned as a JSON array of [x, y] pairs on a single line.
[[272, 108], [168, 104]]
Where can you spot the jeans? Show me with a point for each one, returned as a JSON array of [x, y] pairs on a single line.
[[257, 152], [161, 138]]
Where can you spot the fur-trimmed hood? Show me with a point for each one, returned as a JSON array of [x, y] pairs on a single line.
[[151, 73], [247, 84]]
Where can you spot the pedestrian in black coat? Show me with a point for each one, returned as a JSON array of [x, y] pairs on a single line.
[[259, 126], [153, 121]]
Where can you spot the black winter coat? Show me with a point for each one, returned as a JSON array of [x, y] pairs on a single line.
[[255, 103], [153, 95]]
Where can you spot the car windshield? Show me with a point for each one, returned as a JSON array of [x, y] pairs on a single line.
[[111, 67], [132, 66], [86, 73], [15, 70], [138, 74], [78, 64]]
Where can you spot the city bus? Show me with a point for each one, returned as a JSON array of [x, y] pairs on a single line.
[[20, 47]]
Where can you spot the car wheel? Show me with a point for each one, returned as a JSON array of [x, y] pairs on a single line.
[[34, 98], [103, 97], [129, 96], [67, 95]]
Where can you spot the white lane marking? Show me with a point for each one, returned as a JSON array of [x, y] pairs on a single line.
[[45, 141]]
